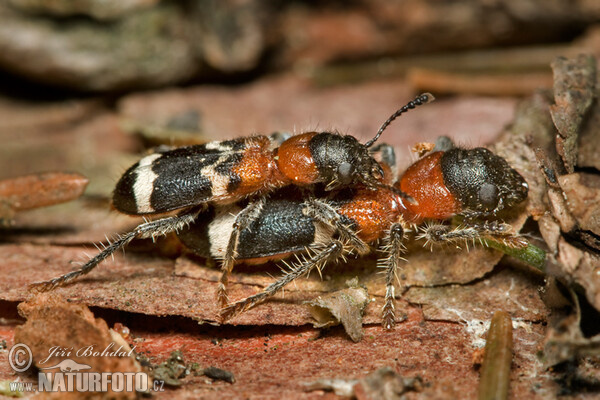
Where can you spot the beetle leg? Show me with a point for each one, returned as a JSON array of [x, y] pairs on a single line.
[[242, 221], [473, 231], [327, 215], [331, 252], [394, 249], [151, 229]]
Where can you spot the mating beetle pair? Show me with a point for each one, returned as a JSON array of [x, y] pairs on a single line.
[[259, 198]]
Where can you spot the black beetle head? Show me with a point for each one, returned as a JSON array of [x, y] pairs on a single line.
[[343, 160], [483, 182]]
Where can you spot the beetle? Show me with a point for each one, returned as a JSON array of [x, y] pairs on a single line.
[[473, 183], [226, 172]]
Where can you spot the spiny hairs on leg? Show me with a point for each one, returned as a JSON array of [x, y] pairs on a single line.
[[330, 252], [150, 229], [328, 216], [499, 231], [394, 247], [242, 221]]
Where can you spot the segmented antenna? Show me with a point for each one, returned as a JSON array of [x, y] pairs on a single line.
[[419, 100], [402, 194]]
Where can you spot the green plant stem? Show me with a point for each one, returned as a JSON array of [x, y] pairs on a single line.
[[532, 255]]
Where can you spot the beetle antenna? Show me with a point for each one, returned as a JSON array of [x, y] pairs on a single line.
[[419, 100], [402, 194]]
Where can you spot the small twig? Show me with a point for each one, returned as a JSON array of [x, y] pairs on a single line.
[[490, 84], [38, 190], [495, 371], [497, 61]]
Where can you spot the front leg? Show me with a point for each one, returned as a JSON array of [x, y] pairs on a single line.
[[473, 231], [394, 248]]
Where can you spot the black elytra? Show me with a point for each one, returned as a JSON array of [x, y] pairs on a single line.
[[281, 227]]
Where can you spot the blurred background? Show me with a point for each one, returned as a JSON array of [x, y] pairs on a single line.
[[86, 85]]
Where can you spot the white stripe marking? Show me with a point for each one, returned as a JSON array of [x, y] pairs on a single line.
[[216, 146], [219, 231], [144, 183], [218, 182]]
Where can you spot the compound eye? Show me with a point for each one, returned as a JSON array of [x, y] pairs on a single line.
[[488, 196], [345, 173]]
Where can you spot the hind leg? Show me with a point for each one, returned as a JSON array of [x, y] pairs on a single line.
[[330, 252], [150, 229]]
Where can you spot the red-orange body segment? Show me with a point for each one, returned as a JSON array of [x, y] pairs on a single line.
[[295, 162], [424, 182], [373, 211], [263, 169], [256, 169]]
